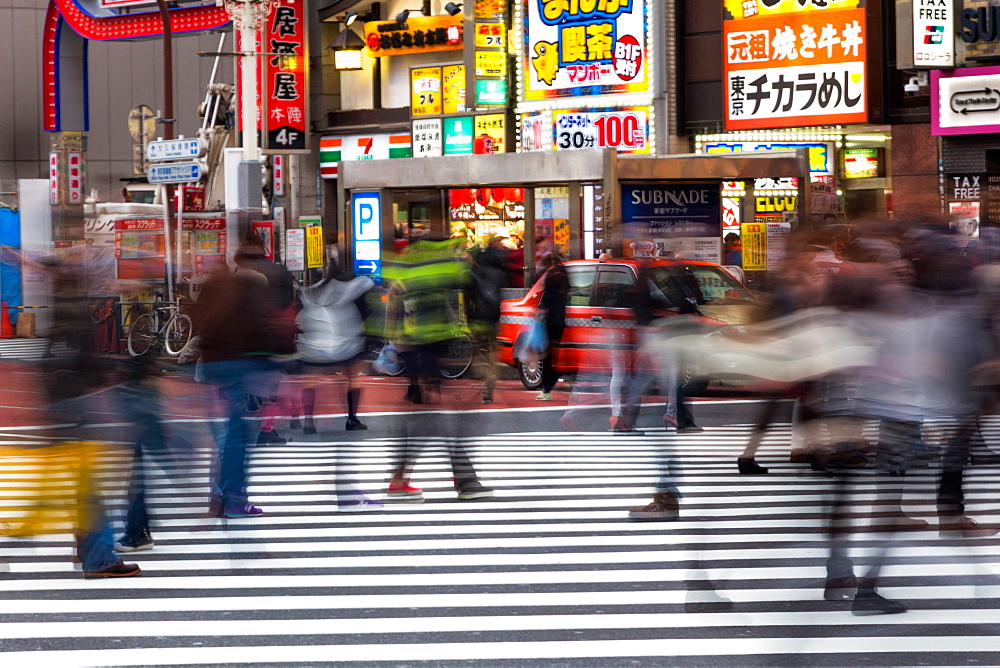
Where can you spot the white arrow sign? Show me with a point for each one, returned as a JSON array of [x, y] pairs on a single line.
[[174, 172], [174, 149]]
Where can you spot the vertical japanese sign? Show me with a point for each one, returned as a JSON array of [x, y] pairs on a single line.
[[286, 94], [278, 175], [790, 64], [295, 250], [425, 91], [453, 88], [54, 178], [585, 48], [74, 172], [314, 246], [753, 238]]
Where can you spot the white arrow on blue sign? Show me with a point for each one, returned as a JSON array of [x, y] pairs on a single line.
[[174, 149], [174, 172]]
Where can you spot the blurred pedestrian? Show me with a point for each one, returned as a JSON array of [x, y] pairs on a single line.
[[428, 277], [552, 310], [488, 278]]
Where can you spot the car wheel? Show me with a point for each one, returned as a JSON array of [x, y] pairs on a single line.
[[530, 374]]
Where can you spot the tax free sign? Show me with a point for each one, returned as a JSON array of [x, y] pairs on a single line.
[[793, 63]]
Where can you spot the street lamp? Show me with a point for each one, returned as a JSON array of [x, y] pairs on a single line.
[[347, 48], [425, 9], [453, 8]]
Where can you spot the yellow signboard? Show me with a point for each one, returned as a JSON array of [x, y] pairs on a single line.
[[489, 134], [418, 34], [491, 9], [453, 88], [491, 64], [425, 91], [753, 237], [491, 35], [314, 246], [745, 9]]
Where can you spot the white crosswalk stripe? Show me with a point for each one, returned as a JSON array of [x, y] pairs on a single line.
[[548, 572]]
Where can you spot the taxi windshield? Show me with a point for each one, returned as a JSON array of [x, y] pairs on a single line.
[[705, 285]]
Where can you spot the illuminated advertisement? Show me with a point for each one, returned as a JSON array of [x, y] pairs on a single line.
[[425, 91], [585, 48], [418, 34], [287, 93], [861, 163], [785, 68], [626, 130], [820, 153]]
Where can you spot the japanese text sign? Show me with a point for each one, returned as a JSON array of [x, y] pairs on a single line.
[[672, 210], [744, 9], [453, 88], [796, 69], [415, 35], [491, 35], [933, 33], [458, 135], [287, 89], [427, 138], [425, 91], [626, 130], [490, 134], [490, 9], [314, 246], [74, 172], [585, 48], [819, 152]]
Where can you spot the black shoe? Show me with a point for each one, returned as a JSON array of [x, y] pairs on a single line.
[[964, 527], [868, 602], [749, 466], [119, 570], [270, 438], [354, 424], [134, 544], [473, 490], [840, 589], [691, 428], [295, 424], [309, 428]]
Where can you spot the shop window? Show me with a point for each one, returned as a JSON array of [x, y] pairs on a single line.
[[581, 281], [614, 289]]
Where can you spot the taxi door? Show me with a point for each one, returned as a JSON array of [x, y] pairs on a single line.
[[608, 327]]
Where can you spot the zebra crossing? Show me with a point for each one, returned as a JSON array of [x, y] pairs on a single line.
[[548, 572]]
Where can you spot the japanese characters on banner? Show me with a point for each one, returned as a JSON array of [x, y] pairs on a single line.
[[74, 169], [489, 133], [490, 9], [795, 64], [626, 130], [54, 177], [278, 175], [287, 89], [585, 48], [425, 91], [418, 34], [295, 250], [453, 88], [427, 138], [491, 56]]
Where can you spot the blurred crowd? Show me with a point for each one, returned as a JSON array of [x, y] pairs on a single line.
[[881, 327]]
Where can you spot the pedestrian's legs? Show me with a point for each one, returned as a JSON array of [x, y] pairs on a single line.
[[233, 458], [137, 518]]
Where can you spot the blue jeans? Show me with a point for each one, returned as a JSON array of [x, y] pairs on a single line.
[[95, 543], [237, 380]]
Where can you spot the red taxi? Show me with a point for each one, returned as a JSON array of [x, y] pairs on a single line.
[[599, 315]]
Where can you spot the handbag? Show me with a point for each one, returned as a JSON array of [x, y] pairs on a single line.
[[387, 361]]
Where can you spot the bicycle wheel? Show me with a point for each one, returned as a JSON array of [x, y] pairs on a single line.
[[457, 357], [141, 335], [178, 334]]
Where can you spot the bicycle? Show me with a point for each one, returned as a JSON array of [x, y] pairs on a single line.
[[176, 330]]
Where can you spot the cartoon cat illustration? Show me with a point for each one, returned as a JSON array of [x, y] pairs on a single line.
[[546, 61]]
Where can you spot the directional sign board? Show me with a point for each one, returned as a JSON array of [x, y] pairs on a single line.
[[366, 210], [174, 149], [174, 172]]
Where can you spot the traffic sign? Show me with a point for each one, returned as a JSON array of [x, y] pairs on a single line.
[[175, 172], [174, 149]]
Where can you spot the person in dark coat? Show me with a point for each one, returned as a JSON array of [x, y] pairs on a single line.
[[552, 305]]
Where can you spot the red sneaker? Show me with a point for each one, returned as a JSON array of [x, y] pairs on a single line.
[[404, 491]]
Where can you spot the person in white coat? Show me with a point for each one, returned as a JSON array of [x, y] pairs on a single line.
[[331, 339]]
